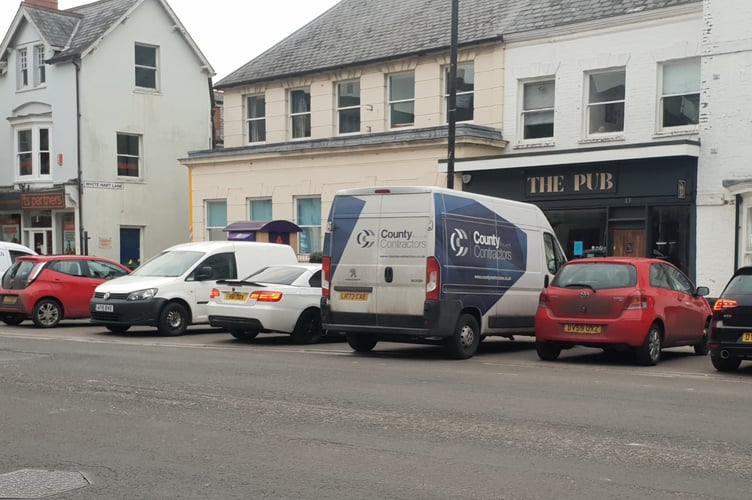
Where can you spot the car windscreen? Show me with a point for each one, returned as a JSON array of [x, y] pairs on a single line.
[[17, 274], [171, 263], [596, 275], [281, 275]]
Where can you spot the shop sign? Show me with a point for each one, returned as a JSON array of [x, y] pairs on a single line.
[[571, 183], [48, 200]]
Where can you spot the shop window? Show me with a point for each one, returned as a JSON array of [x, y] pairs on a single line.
[[309, 220], [606, 97], [216, 220], [670, 235], [465, 103]]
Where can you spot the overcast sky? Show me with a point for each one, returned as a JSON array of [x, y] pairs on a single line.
[[229, 32]]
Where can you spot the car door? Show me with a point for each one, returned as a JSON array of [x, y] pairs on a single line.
[[667, 302], [203, 279], [691, 310], [72, 286]]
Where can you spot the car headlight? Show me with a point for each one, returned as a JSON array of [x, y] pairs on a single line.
[[142, 294]]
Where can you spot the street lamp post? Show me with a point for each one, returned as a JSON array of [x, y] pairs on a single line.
[[452, 102]]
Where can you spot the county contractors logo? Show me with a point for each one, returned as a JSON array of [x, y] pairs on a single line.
[[459, 242], [365, 238]]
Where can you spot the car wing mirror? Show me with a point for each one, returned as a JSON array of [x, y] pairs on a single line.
[[702, 291]]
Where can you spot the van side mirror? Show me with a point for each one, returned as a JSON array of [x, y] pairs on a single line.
[[204, 273], [546, 281]]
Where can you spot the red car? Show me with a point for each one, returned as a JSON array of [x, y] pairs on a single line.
[[619, 303], [48, 288]]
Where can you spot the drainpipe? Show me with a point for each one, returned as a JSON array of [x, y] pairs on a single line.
[[737, 222], [83, 248]]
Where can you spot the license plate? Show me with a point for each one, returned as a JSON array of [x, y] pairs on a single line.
[[10, 299], [747, 337], [104, 308], [353, 295], [237, 296], [590, 329]]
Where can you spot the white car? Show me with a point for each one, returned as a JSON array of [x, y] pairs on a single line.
[[275, 299]]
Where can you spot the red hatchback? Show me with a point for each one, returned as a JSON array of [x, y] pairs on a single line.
[[48, 288], [619, 303]]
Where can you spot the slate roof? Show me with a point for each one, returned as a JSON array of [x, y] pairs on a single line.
[[356, 32]]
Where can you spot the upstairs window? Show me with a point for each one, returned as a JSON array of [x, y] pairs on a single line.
[[128, 155], [33, 152], [256, 111], [44, 151], [22, 64], [348, 107], [146, 66], [680, 96], [40, 70], [402, 100], [465, 91], [538, 110], [300, 113], [605, 108], [25, 153]]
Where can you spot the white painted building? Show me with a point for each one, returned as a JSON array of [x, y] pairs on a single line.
[[109, 183]]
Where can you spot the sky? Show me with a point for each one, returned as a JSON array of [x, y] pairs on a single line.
[[229, 32]]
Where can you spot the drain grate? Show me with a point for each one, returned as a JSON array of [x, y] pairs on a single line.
[[36, 483]]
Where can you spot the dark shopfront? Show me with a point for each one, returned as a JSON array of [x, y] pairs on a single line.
[[631, 208]]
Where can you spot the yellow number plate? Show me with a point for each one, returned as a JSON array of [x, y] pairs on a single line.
[[9, 299], [235, 296], [572, 328], [747, 337], [353, 295]]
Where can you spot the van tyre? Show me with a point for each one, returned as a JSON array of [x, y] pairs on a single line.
[[308, 328], [729, 364], [361, 342], [463, 344], [47, 313], [173, 320], [13, 319], [548, 351], [649, 353], [244, 334]]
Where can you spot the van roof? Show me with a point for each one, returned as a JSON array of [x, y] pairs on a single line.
[[9, 245], [212, 246]]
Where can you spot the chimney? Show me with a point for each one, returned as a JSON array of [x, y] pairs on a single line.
[[47, 4]]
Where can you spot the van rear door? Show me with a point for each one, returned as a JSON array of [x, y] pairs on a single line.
[[379, 247]]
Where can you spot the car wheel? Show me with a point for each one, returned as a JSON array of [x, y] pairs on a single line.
[[729, 364], [173, 320], [464, 343], [308, 328], [649, 353], [47, 313], [13, 319], [117, 328], [548, 351], [361, 342], [701, 348], [244, 334]]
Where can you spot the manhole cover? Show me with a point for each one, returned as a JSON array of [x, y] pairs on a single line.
[[35, 483]]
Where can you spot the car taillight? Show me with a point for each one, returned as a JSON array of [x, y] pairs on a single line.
[[543, 301], [637, 301], [214, 293], [326, 268], [265, 296], [722, 304], [433, 279]]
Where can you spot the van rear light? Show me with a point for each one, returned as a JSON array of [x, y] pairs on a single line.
[[214, 293], [637, 301], [326, 269], [433, 279], [266, 296], [722, 304]]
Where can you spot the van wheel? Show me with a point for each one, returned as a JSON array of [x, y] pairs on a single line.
[[649, 353], [173, 320], [361, 342], [13, 319], [308, 328], [117, 328], [548, 351], [47, 313], [466, 339], [244, 334]]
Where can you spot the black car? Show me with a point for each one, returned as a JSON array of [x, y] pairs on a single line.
[[730, 338]]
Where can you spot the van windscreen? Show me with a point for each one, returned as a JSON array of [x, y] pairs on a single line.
[[172, 263]]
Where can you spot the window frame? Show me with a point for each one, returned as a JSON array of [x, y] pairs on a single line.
[[612, 104], [299, 114], [251, 201], [471, 93], [662, 96], [212, 229], [40, 68], [36, 154], [310, 232], [252, 121], [137, 66], [138, 156], [340, 109], [391, 102], [23, 82], [524, 113]]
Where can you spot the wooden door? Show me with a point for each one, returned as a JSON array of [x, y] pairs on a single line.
[[628, 243]]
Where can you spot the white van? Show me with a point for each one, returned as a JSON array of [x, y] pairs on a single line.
[[419, 264], [171, 290], [8, 253]]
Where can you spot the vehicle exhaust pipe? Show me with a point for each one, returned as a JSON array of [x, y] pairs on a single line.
[[724, 354]]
